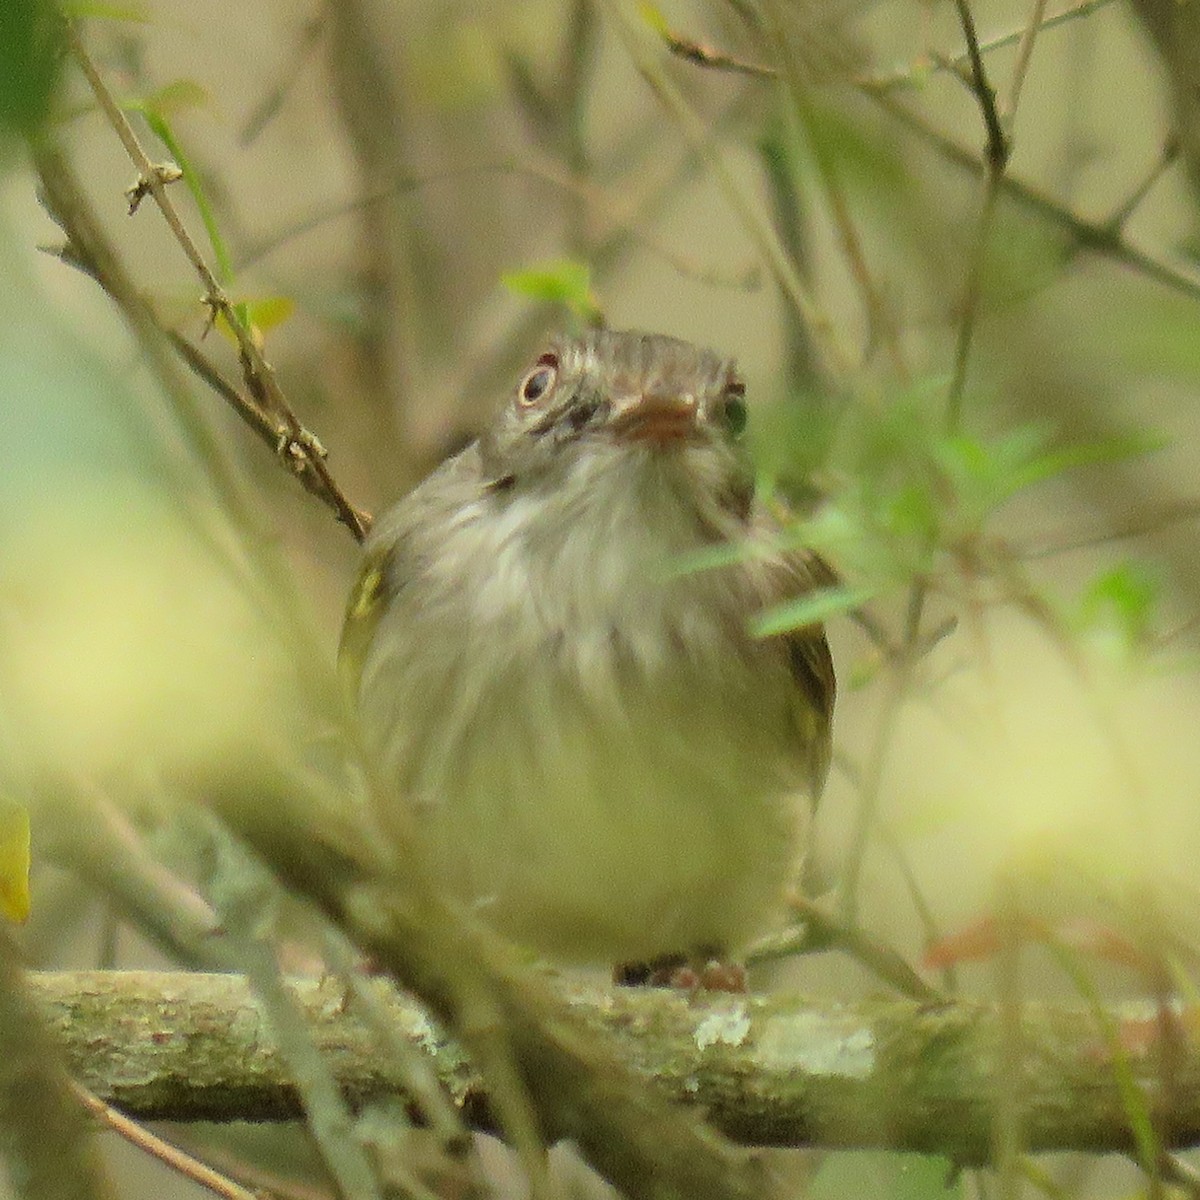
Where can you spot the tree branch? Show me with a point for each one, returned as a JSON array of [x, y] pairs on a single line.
[[767, 1070]]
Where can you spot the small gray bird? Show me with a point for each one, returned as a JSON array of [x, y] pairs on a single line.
[[597, 755]]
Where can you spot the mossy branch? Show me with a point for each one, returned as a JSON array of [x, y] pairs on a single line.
[[767, 1071]]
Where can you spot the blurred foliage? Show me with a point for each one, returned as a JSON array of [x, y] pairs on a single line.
[[900, 1177], [30, 59], [502, 174]]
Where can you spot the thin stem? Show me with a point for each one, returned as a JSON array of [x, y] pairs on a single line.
[[271, 584], [834, 360], [1098, 237], [997, 142], [1126, 209], [1009, 1069], [823, 929], [881, 324], [972, 296], [912, 73], [995, 159], [171, 1156], [999, 149], [297, 447], [871, 786], [1021, 66]]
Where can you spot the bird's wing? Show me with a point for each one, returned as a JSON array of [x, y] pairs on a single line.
[[368, 599], [811, 664]]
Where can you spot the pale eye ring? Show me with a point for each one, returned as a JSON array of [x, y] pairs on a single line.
[[539, 382]]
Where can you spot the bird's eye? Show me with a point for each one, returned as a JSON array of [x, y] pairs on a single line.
[[734, 408], [540, 380]]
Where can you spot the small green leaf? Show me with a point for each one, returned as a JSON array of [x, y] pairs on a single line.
[[1122, 599], [561, 281], [14, 860], [1087, 454], [258, 316], [810, 609], [177, 96], [181, 94], [710, 558], [652, 15]]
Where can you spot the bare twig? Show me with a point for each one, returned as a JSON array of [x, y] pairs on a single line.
[[171, 1156], [912, 73], [1103, 238], [1180, 1174], [296, 446], [1098, 237], [999, 148], [1036, 24], [880, 321], [997, 142], [871, 782], [1128, 206], [1008, 1068], [834, 360], [822, 930]]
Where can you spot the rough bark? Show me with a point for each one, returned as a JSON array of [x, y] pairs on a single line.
[[768, 1071]]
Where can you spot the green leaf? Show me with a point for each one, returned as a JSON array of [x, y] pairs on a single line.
[[652, 15], [14, 860], [710, 558], [259, 315], [1122, 599], [30, 56], [177, 96], [173, 97], [810, 609], [984, 475], [561, 281]]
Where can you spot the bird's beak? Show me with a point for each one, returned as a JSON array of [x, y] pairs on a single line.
[[655, 417]]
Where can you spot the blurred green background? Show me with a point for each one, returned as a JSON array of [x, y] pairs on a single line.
[[383, 167]]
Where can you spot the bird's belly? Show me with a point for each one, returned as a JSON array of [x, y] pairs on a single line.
[[667, 823]]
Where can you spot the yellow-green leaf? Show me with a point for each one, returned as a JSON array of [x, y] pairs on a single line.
[[14, 861]]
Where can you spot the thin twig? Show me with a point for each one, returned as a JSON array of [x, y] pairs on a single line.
[[823, 930], [880, 320], [1021, 66], [1098, 237], [871, 783], [1126, 209], [997, 142], [421, 1081], [1139, 525], [912, 73], [972, 296], [1180, 1174], [996, 156], [834, 360], [171, 1156], [298, 448], [1009, 1068]]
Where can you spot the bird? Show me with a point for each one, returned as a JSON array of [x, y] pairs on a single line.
[[597, 755]]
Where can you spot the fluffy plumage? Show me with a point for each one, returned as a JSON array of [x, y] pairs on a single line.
[[598, 755]]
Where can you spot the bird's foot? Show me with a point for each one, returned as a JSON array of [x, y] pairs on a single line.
[[700, 974]]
